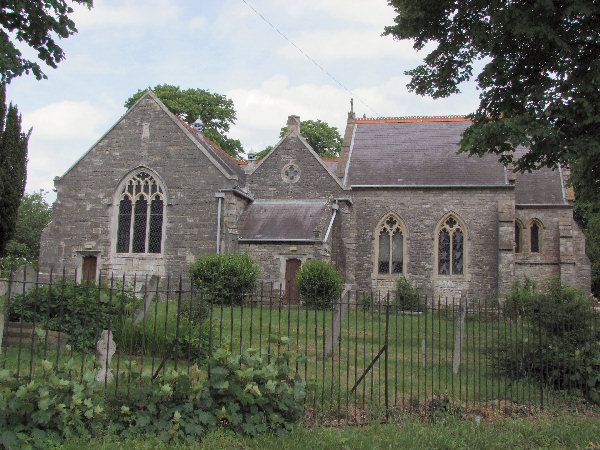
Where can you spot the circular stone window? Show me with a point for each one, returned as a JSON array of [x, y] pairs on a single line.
[[290, 173]]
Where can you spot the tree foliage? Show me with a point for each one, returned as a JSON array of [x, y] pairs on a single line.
[[24, 247], [323, 138], [38, 24], [13, 170], [216, 112], [540, 84], [264, 152]]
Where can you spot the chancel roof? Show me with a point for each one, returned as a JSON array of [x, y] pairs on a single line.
[[416, 153], [540, 187], [277, 220], [422, 151]]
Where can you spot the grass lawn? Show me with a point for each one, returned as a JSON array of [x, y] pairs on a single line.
[[419, 356], [563, 431]]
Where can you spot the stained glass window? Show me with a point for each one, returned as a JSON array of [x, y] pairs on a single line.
[[517, 237], [141, 210], [124, 225], [451, 248], [390, 259]]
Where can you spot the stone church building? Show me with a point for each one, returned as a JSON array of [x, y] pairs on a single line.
[[153, 193]]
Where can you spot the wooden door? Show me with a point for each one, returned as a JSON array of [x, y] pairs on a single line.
[[291, 294], [88, 268]]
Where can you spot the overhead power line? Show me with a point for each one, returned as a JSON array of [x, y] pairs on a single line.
[[307, 56]]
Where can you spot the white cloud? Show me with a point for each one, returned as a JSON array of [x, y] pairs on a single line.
[[68, 120], [349, 44], [62, 133], [262, 111], [197, 23], [131, 14], [370, 12]]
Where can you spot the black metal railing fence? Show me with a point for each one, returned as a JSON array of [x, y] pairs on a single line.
[[362, 356]]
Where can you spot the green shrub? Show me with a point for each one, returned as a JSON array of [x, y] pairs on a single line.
[[47, 411], [561, 347], [406, 297], [225, 277], [79, 310], [244, 394], [319, 283]]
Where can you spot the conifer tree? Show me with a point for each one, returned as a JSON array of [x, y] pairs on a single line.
[[13, 167]]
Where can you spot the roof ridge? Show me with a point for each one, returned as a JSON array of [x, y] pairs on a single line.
[[215, 145], [410, 119]]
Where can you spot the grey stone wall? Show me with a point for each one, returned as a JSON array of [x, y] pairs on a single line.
[[271, 258], [421, 211], [562, 247], [314, 181], [84, 214]]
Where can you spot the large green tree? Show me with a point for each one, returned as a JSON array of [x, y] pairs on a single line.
[[216, 112], [323, 138], [540, 82], [37, 24], [13, 164], [33, 216]]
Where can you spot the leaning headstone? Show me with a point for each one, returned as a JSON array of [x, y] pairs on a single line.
[[23, 279], [106, 348], [149, 294]]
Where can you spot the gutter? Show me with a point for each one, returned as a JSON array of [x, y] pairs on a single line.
[[220, 196], [303, 241], [335, 207], [432, 186], [239, 193]]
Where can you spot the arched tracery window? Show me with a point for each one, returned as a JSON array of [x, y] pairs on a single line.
[[390, 246], [451, 248], [141, 211]]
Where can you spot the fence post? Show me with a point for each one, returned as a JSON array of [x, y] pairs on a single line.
[[385, 363], [458, 336]]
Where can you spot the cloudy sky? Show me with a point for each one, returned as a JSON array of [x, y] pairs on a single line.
[[223, 46]]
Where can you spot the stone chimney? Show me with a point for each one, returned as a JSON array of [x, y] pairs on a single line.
[[293, 124]]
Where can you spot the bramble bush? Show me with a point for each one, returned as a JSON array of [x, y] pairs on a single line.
[[81, 310], [224, 277], [45, 412], [319, 283], [245, 394], [562, 346], [406, 297]]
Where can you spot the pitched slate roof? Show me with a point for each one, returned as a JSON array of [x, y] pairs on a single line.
[[276, 220], [229, 164], [542, 187], [331, 163], [416, 152], [422, 151]]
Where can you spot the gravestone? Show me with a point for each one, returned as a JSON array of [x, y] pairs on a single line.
[[22, 280], [106, 348], [149, 294], [336, 326]]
